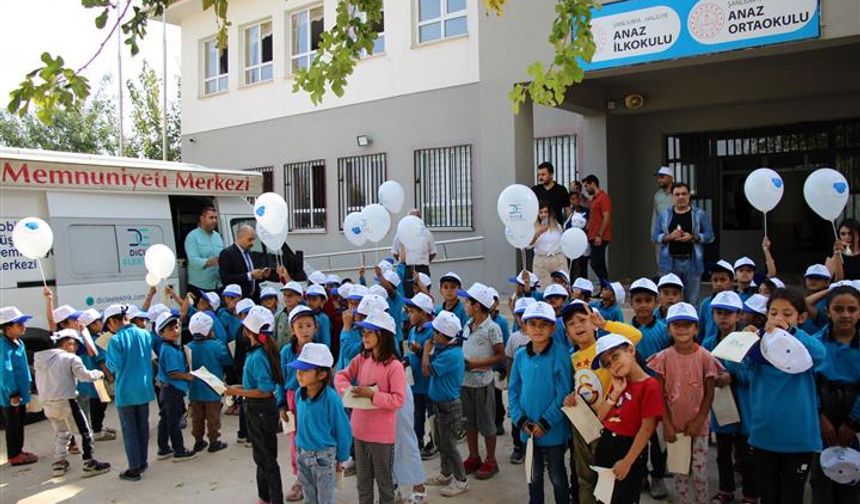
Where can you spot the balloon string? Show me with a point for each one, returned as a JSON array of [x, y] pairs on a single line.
[[836, 237], [765, 224], [42, 272]]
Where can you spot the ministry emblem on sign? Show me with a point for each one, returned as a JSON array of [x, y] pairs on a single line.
[[706, 21]]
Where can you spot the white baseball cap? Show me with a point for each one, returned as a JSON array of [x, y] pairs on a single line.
[[163, 319], [377, 290], [727, 300], [259, 319], [494, 293], [480, 293], [295, 287], [316, 290], [724, 266], [670, 280], [644, 284], [446, 323], [65, 312], [357, 291], [665, 170], [332, 279], [385, 265], [555, 290], [156, 310], [244, 305], [577, 305], [424, 279], [232, 290], [213, 300], [421, 301], [563, 274], [314, 355], [523, 303], [317, 277], [583, 284], [200, 323], [841, 465], [298, 311], [785, 352], [757, 303], [818, 271], [681, 311], [12, 315], [744, 261], [342, 290], [89, 316], [66, 333], [533, 279], [777, 282], [135, 312], [114, 310], [617, 289], [378, 321], [391, 277], [372, 303], [451, 277], [539, 310], [268, 292], [606, 343]]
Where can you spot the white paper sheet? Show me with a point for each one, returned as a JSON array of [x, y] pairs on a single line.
[[357, 402], [210, 379], [724, 407], [679, 455], [584, 420], [288, 426], [102, 391], [735, 346], [231, 346], [410, 377], [103, 340], [530, 454], [90, 345], [187, 350], [605, 484]]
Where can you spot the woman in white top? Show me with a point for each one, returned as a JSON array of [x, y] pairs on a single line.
[[547, 245]]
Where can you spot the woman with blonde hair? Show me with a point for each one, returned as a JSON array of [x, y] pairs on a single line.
[[547, 245]]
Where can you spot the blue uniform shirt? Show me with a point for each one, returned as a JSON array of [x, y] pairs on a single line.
[[559, 335], [537, 387], [258, 375], [291, 381], [16, 371], [213, 355], [659, 315], [613, 313], [350, 346], [812, 326], [321, 423], [706, 320], [129, 357], [419, 337], [91, 362], [231, 323], [172, 359], [395, 309], [446, 373], [323, 334], [842, 363], [655, 338]]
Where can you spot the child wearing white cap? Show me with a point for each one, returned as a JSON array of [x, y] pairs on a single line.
[[671, 290], [15, 384], [204, 403], [174, 377], [350, 333], [392, 282], [722, 279], [420, 309], [449, 285], [88, 398], [687, 373], [754, 315], [817, 281], [315, 297], [292, 294], [517, 340], [612, 297], [540, 379]]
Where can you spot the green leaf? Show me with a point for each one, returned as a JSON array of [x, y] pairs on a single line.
[[101, 20]]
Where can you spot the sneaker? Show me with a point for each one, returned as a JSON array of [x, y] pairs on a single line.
[[487, 470], [104, 435], [455, 488], [144, 467], [418, 498], [23, 459], [517, 457], [295, 494], [429, 452], [130, 475], [201, 445], [722, 498], [471, 464], [74, 449], [184, 457], [215, 446], [59, 468], [658, 489], [164, 454], [108, 429], [94, 468], [440, 480]]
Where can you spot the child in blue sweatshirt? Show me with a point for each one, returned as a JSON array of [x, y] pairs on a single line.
[[722, 279], [174, 376], [838, 379], [817, 280], [540, 379], [611, 298], [205, 403], [15, 385], [449, 284], [785, 430], [323, 432], [350, 334], [420, 309], [315, 296]]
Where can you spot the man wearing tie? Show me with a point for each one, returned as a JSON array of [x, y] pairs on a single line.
[[236, 266]]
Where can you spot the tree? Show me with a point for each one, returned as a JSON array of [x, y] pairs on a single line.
[[146, 116], [54, 86]]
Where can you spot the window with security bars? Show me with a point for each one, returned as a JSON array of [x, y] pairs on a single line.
[[443, 186], [304, 188], [358, 180], [268, 180], [561, 152]]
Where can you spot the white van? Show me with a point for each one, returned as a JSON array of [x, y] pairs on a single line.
[[105, 211]]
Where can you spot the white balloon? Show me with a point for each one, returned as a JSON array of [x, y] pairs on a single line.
[[826, 192], [152, 279], [763, 189], [574, 243], [159, 260], [352, 229], [272, 241], [391, 196], [412, 232], [517, 204], [271, 212], [519, 236], [375, 222], [32, 237]]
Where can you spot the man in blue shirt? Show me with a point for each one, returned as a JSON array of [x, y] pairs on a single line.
[[202, 246]]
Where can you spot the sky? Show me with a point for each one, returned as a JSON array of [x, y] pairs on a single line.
[[64, 27]]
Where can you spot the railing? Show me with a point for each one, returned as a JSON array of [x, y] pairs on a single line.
[[312, 261]]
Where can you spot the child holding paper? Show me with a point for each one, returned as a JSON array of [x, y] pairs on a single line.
[[785, 430], [517, 340], [93, 407], [378, 376], [174, 378], [540, 378], [205, 403], [687, 372], [322, 427], [722, 279], [734, 380]]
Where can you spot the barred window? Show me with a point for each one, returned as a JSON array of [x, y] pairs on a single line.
[[358, 180], [443, 186], [561, 152], [304, 187], [268, 180]]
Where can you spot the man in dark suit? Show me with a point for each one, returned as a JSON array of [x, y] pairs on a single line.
[[236, 266]]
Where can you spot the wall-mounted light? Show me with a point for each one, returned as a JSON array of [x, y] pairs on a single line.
[[363, 140]]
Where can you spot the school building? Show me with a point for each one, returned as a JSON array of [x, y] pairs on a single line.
[[712, 88]]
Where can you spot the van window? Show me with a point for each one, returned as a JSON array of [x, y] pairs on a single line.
[[93, 250], [133, 240]]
